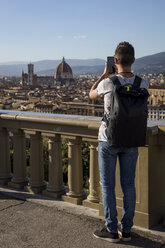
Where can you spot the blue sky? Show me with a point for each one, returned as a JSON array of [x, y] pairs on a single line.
[[32, 30]]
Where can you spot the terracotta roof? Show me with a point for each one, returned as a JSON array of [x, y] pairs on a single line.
[[63, 67]]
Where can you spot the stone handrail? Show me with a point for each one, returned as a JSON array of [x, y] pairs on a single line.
[[75, 128], [150, 183]]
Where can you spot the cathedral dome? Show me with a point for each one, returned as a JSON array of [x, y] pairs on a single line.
[[63, 70]]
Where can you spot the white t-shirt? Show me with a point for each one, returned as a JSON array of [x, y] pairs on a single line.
[[105, 88]]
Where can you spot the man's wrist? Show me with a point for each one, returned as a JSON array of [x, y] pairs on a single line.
[[104, 76]]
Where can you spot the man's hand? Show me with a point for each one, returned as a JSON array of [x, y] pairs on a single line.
[[106, 73], [93, 92]]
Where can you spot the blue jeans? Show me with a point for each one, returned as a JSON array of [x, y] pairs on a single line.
[[107, 166]]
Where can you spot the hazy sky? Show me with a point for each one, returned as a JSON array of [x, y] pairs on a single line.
[[32, 30]]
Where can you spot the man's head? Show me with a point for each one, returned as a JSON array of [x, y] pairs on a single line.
[[124, 54]]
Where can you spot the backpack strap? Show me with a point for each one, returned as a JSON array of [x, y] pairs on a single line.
[[137, 82], [115, 80]]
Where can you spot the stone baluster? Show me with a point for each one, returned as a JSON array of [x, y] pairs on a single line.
[[19, 179], [37, 183], [55, 186], [75, 172], [5, 166], [94, 189]]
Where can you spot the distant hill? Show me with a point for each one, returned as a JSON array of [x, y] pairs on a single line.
[[148, 64], [44, 67], [77, 70]]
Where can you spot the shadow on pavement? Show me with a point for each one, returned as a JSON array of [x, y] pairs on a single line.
[[22, 196]]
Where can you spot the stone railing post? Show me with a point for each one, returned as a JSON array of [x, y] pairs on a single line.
[[5, 167], [19, 179], [94, 189], [75, 172], [55, 186], [37, 183]]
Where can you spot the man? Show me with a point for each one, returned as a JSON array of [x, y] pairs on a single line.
[[124, 58]]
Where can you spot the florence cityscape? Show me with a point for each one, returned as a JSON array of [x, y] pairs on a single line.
[[66, 93], [51, 54], [43, 84]]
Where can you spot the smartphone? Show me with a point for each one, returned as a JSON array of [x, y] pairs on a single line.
[[111, 64]]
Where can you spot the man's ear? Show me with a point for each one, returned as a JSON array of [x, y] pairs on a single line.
[[116, 61]]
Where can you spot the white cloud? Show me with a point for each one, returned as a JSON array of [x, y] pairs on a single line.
[[82, 36]]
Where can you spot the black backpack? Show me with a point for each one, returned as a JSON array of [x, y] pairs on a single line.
[[127, 124]]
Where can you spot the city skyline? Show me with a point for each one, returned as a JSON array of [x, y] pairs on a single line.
[[39, 30]]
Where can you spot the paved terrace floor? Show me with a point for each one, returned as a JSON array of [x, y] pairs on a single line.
[[28, 220]]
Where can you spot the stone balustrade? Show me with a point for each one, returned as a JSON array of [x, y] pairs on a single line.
[[150, 183]]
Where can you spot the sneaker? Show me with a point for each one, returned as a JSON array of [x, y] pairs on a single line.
[[105, 235], [126, 236]]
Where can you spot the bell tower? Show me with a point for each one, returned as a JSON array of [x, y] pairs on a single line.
[[30, 73]]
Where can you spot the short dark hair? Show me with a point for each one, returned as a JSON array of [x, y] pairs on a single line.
[[125, 53]]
